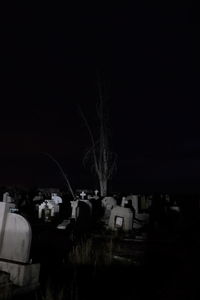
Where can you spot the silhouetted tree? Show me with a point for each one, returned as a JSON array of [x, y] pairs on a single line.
[[103, 159]]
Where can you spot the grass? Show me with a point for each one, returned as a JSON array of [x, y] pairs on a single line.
[[81, 269], [91, 252]]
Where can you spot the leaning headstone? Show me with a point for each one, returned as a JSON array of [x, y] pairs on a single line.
[[15, 243]]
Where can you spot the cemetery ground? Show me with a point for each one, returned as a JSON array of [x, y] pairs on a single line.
[[88, 261], [105, 265]]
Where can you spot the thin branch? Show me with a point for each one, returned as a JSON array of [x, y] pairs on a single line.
[[92, 139], [113, 167], [87, 155], [62, 172]]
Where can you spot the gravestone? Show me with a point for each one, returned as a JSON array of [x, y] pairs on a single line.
[[46, 209], [135, 202], [38, 198], [123, 202], [74, 206], [87, 202], [108, 203], [57, 199], [16, 239], [84, 216], [15, 243], [140, 218], [121, 218], [82, 194], [45, 206], [7, 198], [96, 194]]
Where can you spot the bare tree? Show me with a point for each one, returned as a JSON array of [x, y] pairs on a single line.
[[103, 159]]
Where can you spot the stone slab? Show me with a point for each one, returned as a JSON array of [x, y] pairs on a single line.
[[21, 275]]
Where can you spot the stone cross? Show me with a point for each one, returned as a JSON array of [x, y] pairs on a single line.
[[96, 193], [82, 194]]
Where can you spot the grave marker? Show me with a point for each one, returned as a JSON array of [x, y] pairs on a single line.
[[121, 218], [15, 243], [74, 206], [82, 194]]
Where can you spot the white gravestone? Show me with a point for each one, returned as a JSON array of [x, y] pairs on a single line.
[[15, 243], [57, 199], [82, 194], [121, 218], [124, 202], [74, 206], [16, 236], [4, 210]]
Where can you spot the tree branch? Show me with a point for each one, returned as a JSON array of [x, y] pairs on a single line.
[[62, 172], [92, 140]]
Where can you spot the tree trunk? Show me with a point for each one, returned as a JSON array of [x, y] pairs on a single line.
[[103, 186]]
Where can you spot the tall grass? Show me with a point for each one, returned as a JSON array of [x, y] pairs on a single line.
[[92, 253], [81, 267]]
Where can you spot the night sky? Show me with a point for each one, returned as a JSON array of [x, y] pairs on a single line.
[[148, 57]]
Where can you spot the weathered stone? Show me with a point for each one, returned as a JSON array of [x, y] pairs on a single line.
[[15, 243], [121, 218], [15, 238], [21, 274]]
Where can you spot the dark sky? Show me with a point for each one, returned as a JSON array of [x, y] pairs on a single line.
[[148, 57]]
